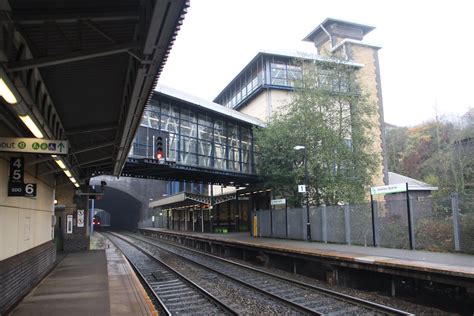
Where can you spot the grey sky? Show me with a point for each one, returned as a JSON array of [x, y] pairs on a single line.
[[426, 57]]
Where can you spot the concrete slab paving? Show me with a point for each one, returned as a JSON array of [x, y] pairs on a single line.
[[127, 294], [95, 282], [439, 262], [77, 286]]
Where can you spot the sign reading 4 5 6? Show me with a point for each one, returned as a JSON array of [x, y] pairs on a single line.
[[17, 169], [16, 186]]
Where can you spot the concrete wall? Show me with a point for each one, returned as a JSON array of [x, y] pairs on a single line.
[[25, 222], [267, 103], [368, 78], [257, 107]]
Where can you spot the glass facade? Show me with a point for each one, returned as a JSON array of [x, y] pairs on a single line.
[[252, 78], [279, 72], [196, 138], [265, 70], [285, 74]]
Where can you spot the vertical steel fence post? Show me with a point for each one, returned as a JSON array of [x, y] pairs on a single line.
[[347, 224], [455, 210]]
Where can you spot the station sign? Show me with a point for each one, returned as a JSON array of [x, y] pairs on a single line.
[[34, 145], [16, 186], [80, 218], [22, 189], [301, 188], [278, 202], [391, 188], [69, 224]]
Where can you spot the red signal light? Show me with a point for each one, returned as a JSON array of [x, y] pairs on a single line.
[[159, 155]]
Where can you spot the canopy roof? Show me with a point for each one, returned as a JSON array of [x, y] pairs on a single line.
[[85, 69]]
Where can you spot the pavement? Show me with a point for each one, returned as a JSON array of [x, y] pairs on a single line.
[[95, 282], [438, 262], [77, 286]]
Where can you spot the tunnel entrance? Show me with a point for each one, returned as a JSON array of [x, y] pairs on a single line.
[[121, 209]]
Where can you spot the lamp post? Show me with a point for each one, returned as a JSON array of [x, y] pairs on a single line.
[[308, 224]]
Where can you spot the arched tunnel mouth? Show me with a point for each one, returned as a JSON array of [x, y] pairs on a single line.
[[123, 208]]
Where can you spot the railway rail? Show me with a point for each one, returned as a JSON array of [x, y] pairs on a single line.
[[173, 293], [307, 298]]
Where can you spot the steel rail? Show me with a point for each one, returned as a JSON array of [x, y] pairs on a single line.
[[200, 289], [149, 289], [334, 294]]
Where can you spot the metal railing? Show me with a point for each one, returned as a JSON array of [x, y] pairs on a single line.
[[439, 223]]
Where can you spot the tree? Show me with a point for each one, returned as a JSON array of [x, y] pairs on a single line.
[[396, 142], [439, 152], [331, 116]]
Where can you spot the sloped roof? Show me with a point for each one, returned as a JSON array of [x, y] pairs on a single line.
[[328, 21], [208, 105], [413, 184]]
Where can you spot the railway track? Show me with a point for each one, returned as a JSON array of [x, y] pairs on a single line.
[[174, 294], [307, 298]]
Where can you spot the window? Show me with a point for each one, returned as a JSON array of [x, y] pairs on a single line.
[[294, 75], [278, 74]]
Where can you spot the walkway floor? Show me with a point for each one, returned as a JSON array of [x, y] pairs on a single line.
[[445, 263], [95, 282]]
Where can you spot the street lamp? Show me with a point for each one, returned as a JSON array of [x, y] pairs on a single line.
[[308, 224]]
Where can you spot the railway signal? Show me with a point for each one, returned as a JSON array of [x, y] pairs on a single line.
[[159, 148]]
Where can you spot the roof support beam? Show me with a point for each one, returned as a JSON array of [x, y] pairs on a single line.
[[74, 18], [91, 129], [94, 147], [84, 163], [70, 57], [97, 29], [39, 160]]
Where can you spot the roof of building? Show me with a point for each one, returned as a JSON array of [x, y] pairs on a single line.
[[328, 21], [186, 199], [208, 105], [290, 54], [413, 184]]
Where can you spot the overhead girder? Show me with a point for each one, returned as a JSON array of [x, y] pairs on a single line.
[[23, 60], [70, 57]]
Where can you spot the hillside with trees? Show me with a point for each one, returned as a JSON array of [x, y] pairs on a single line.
[[439, 152]]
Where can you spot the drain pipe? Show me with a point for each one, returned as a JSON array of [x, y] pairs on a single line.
[[329, 35], [330, 43]]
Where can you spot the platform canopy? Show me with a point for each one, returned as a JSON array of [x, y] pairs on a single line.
[[83, 71], [186, 199]]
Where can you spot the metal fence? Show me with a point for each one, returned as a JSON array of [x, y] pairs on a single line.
[[437, 224]]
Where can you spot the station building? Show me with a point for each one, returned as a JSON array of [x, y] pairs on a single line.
[[262, 88]]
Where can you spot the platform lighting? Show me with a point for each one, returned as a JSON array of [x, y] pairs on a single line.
[[6, 93], [31, 126], [60, 163], [67, 173], [73, 180], [305, 161], [76, 185]]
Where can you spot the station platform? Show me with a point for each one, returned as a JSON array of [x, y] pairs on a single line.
[[445, 267], [96, 282]]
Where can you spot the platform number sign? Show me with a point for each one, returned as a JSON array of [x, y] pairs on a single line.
[[17, 169], [16, 185]]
